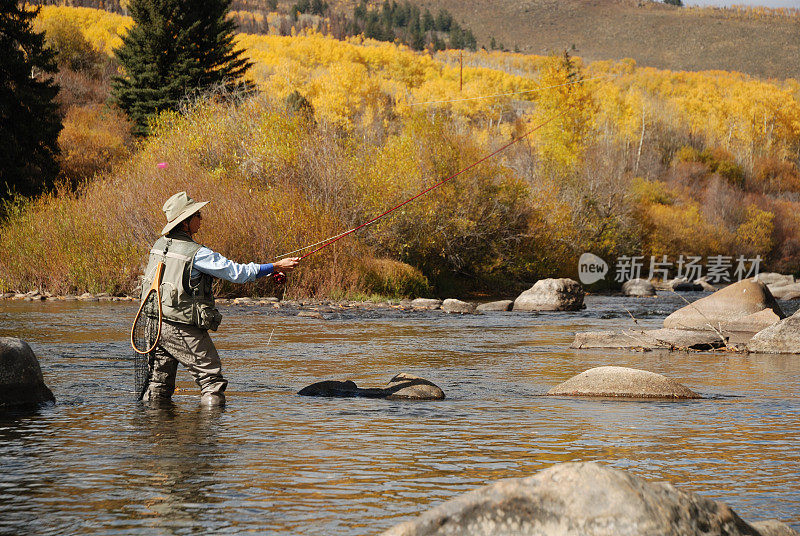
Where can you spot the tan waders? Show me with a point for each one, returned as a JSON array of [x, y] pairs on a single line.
[[192, 347]]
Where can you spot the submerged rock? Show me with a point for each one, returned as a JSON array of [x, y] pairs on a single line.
[[780, 338], [582, 499], [727, 305], [502, 305], [622, 382], [670, 339], [551, 295], [451, 305], [21, 381], [638, 287], [401, 387]]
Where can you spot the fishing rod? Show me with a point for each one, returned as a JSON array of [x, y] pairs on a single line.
[[280, 277]]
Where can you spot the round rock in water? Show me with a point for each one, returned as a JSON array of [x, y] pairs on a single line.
[[582, 499], [409, 387], [451, 305], [622, 382], [21, 381], [638, 287], [551, 295]]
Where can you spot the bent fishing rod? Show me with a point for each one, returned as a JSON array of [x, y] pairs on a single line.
[[280, 277]]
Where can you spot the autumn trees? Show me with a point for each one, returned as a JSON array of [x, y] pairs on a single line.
[[175, 48]]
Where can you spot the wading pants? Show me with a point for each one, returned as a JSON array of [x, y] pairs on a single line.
[[193, 348]]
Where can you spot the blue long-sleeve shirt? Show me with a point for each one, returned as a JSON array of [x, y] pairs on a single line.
[[212, 263]]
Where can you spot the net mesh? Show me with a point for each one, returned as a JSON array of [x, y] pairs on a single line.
[[145, 331]]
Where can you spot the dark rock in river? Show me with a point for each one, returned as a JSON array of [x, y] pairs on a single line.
[[401, 387], [727, 305], [21, 381], [780, 338], [622, 382], [582, 499], [670, 339], [502, 305], [638, 287], [451, 305], [551, 295], [681, 284]]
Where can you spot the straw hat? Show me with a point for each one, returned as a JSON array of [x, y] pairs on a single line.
[[179, 207]]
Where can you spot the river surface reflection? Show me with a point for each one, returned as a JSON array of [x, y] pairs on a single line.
[[273, 462]]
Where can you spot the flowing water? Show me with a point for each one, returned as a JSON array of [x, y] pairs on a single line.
[[273, 462]]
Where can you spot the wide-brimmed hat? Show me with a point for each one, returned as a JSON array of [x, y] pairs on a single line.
[[179, 207]]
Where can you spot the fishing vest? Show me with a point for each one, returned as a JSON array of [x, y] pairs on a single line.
[[183, 300]]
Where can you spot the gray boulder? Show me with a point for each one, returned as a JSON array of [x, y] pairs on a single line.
[[502, 305], [638, 287], [409, 387], [622, 382], [582, 499], [21, 381], [426, 303], [401, 387], [726, 305], [551, 295], [780, 338], [451, 305], [669, 339]]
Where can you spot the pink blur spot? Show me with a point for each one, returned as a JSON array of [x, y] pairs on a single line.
[[161, 165]]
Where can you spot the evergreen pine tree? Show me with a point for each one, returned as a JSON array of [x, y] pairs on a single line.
[[29, 118], [175, 48]]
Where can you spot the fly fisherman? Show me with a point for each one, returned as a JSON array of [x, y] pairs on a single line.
[[187, 302]]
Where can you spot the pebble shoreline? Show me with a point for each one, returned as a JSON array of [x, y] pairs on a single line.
[[404, 304]]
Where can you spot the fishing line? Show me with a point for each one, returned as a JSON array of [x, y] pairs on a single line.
[[328, 241], [514, 92]]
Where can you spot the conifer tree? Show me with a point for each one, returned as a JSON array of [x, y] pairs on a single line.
[[29, 118], [175, 48]]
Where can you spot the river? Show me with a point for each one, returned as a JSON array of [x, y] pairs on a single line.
[[273, 462]]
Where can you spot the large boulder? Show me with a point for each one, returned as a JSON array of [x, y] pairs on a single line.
[[622, 382], [401, 387], [452, 305], [551, 295], [502, 305], [669, 339], [582, 499], [780, 338], [21, 381], [638, 287], [727, 305]]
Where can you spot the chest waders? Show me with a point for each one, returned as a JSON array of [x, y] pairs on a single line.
[[183, 300]]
